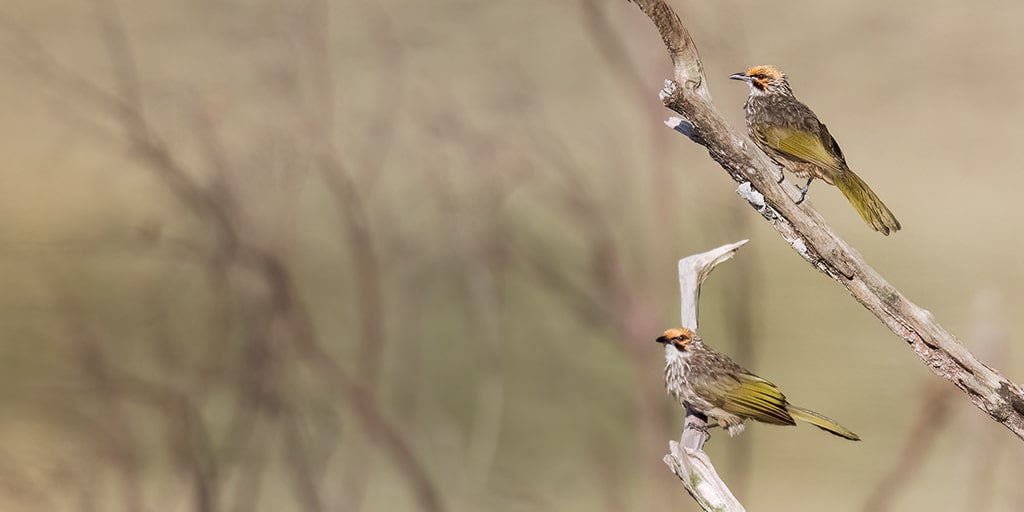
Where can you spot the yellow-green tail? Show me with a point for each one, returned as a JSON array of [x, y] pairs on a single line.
[[868, 205], [821, 422]]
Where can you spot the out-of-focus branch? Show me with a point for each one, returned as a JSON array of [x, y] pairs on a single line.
[[933, 416], [687, 458], [155, 155], [983, 451], [591, 307], [122, 447], [366, 265], [350, 193], [741, 295], [294, 314], [588, 307], [609, 43], [808, 233], [688, 69], [304, 483], [936, 413], [188, 436], [126, 72], [479, 233], [390, 101], [369, 290], [616, 277]]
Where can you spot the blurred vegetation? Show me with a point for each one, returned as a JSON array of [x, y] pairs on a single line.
[[273, 255]]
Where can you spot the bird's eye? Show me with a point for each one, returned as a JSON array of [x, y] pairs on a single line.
[[760, 76]]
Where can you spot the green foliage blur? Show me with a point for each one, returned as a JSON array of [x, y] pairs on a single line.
[[399, 255]]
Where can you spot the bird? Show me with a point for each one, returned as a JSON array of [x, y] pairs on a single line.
[[791, 135], [712, 384]]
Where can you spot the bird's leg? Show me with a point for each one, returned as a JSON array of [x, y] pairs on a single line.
[[782, 177], [695, 414], [803, 191], [708, 425], [701, 428]]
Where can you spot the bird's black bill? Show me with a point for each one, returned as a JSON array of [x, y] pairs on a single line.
[[739, 76], [662, 339]]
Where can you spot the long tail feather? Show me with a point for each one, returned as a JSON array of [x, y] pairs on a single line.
[[821, 422], [868, 205]]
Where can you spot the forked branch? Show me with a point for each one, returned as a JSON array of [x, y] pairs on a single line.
[[812, 238]]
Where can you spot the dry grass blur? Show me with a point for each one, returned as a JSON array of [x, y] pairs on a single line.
[[402, 255]]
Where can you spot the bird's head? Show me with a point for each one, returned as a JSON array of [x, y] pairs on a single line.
[[763, 79], [680, 338]]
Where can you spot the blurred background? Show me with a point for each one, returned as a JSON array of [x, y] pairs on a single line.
[[400, 255]]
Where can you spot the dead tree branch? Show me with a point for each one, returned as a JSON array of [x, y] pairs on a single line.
[[812, 238], [687, 458]]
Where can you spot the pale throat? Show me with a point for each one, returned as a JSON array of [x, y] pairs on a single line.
[[676, 368], [754, 91], [673, 354]]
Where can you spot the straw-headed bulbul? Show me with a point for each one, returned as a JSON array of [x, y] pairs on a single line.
[[789, 132], [714, 385]]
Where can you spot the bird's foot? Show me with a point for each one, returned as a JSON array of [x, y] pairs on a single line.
[[703, 429], [803, 191], [803, 195]]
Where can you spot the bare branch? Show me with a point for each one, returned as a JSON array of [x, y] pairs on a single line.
[[693, 270], [688, 69], [808, 233]]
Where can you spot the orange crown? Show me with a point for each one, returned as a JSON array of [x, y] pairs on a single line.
[[680, 332], [770, 72]]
